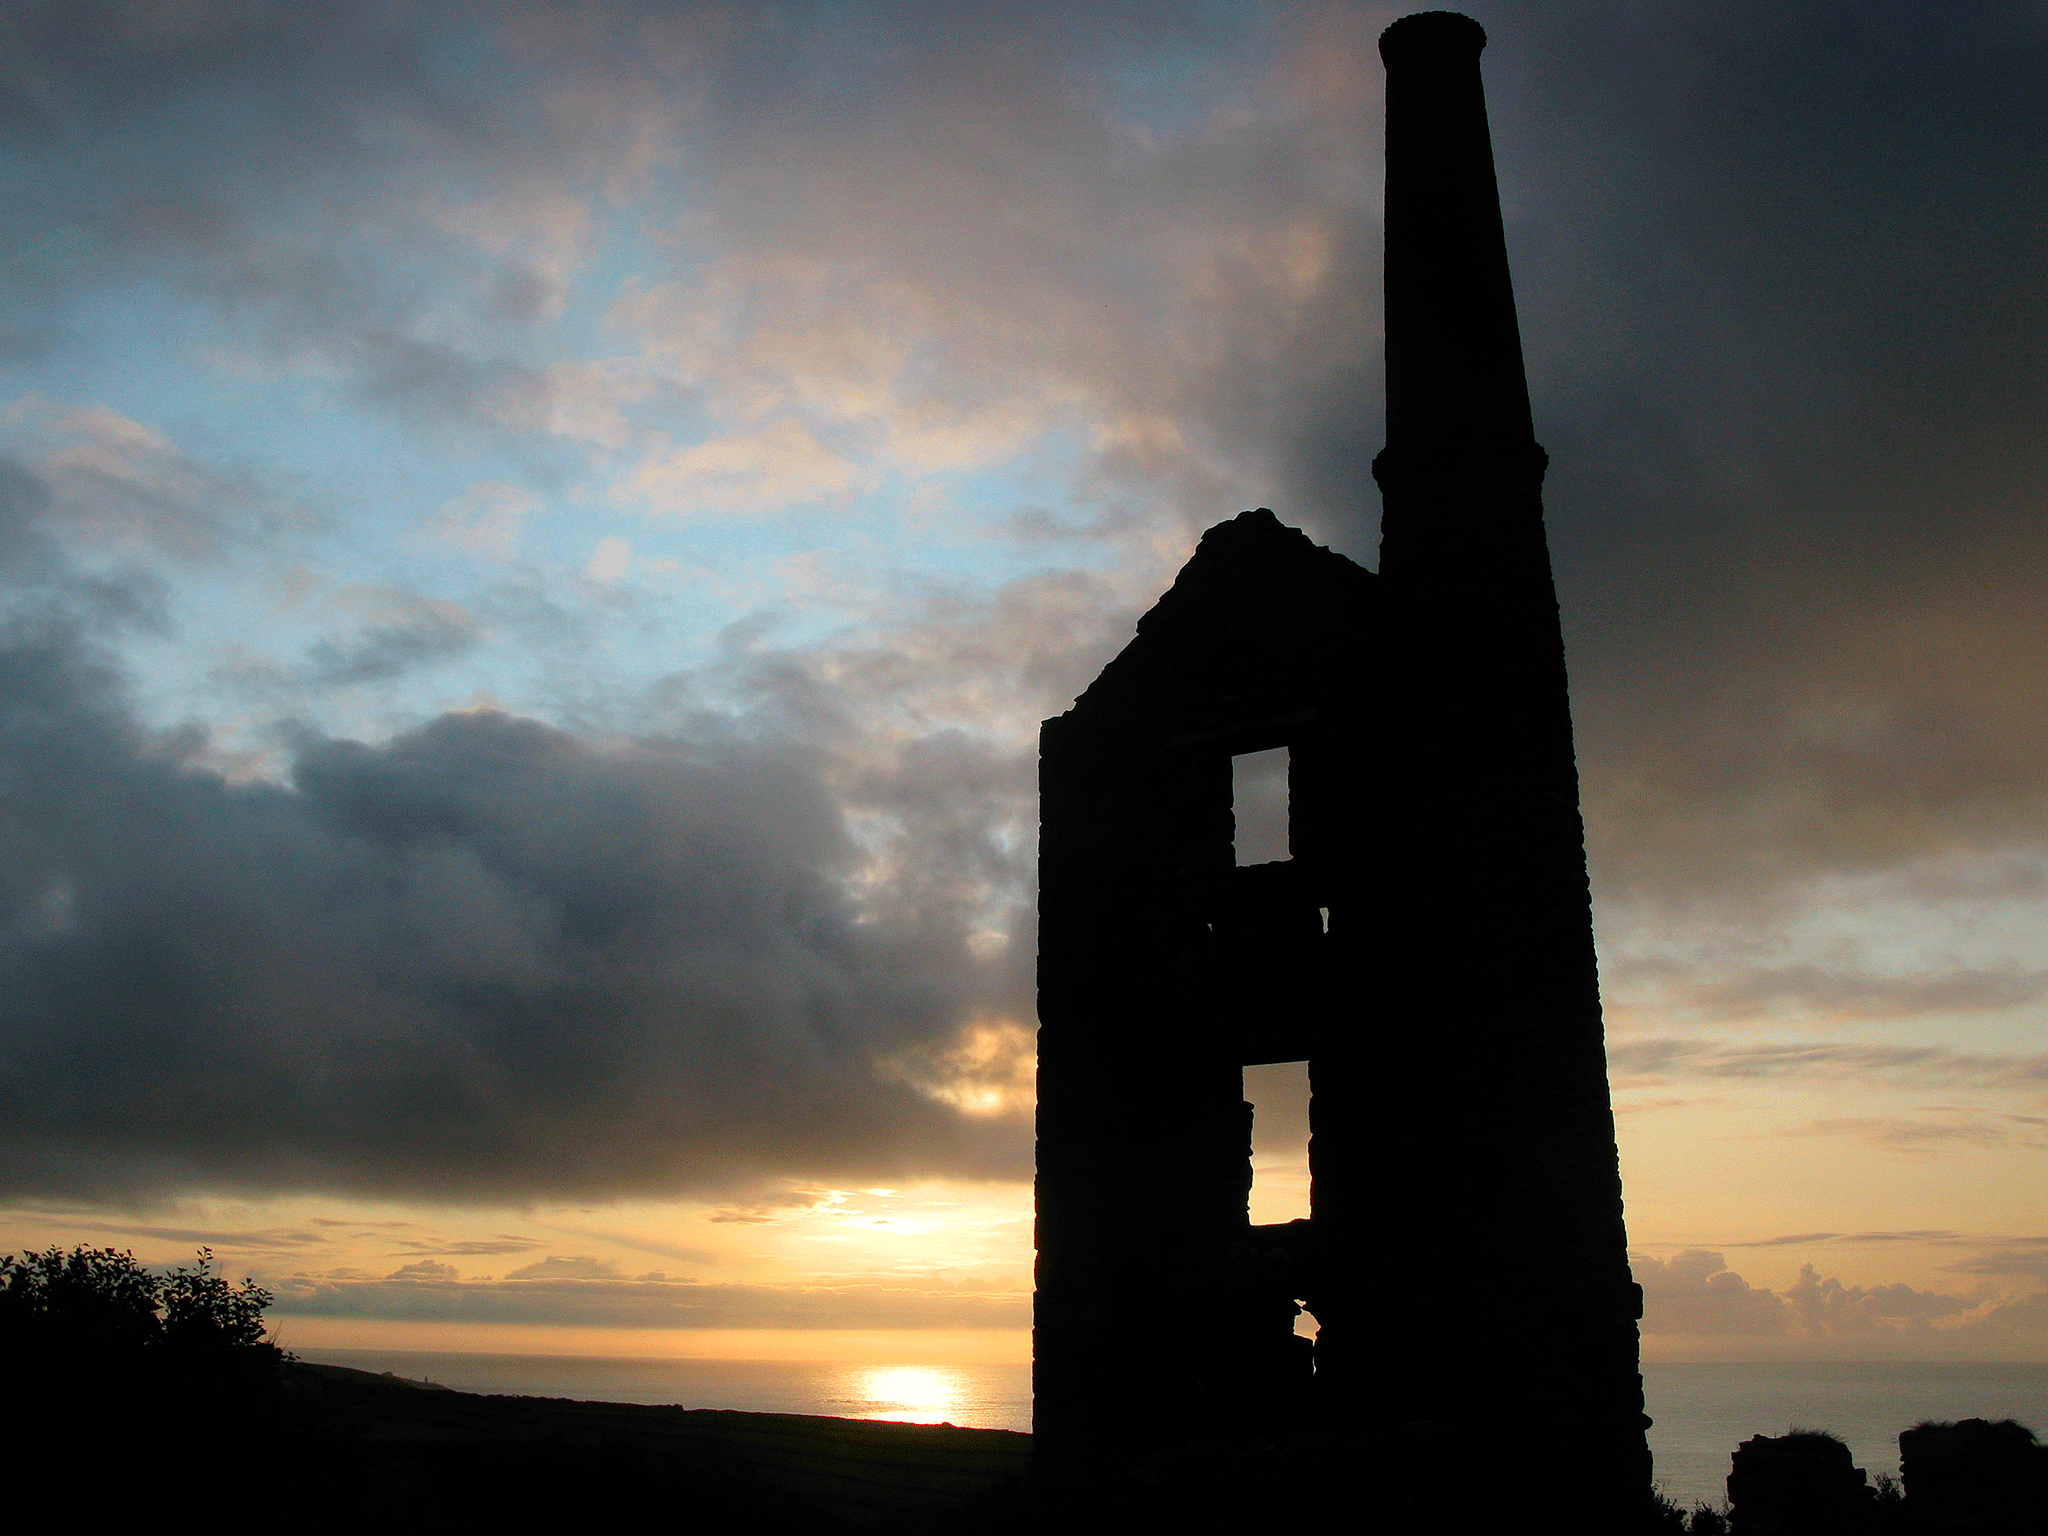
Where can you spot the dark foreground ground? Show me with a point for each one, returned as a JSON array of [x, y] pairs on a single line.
[[326, 1448], [460, 1460], [316, 1448], [284, 1444], [463, 1461]]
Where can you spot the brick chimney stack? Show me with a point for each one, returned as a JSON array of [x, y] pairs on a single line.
[[1490, 1017], [1454, 352]]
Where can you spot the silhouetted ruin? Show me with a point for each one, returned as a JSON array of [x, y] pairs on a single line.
[[1975, 1478], [1426, 948], [1801, 1484]]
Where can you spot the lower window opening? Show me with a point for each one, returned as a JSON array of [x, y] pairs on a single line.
[[1278, 1094]]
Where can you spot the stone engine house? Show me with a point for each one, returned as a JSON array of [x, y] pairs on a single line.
[[1426, 947]]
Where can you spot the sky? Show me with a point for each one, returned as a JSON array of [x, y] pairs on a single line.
[[535, 538]]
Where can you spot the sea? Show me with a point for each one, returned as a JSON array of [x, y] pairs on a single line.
[[1701, 1411]]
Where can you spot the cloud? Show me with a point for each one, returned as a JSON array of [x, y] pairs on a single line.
[[573, 1267], [1936, 1132], [120, 486], [2025, 1258], [560, 1298], [285, 92], [989, 1069], [1694, 1299], [588, 401], [1653, 1106], [1794, 421], [688, 1255], [781, 465], [394, 632], [408, 631], [1821, 994], [1829, 1308], [468, 1247], [423, 1270], [1802, 1239], [486, 518], [1795, 1239], [1697, 1293], [1652, 1061], [610, 560], [275, 1240], [1794, 568], [540, 232], [483, 961], [1784, 299]]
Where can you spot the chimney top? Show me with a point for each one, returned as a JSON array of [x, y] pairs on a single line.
[[1442, 35]]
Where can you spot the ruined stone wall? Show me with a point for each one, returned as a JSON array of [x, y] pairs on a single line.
[[1164, 969], [1427, 948]]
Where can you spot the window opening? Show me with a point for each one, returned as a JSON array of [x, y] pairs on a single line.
[[1258, 799], [1278, 1095]]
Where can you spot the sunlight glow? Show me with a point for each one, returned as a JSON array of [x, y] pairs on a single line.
[[905, 1395], [901, 1226], [988, 1070]]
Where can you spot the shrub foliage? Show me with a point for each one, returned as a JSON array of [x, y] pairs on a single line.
[[98, 1309]]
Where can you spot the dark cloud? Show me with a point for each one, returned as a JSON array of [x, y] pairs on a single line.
[[1785, 295], [289, 172], [1781, 274], [1786, 301], [485, 960], [2022, 1258], [574, 1295], [421, 377], [262, 1240], [173, 136], [421, 631]]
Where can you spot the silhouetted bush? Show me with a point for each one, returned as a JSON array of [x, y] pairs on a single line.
[[134, 1388], [1670, 1518], [97, 1310]]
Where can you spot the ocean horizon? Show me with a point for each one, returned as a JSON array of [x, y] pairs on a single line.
[[1701, 1411]]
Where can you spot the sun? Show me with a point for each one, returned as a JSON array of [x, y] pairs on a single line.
[[909, 1395]]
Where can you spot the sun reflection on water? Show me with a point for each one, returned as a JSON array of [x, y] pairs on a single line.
[[908, 1395]]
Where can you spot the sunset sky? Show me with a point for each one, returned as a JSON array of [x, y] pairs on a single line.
[[536, 539]]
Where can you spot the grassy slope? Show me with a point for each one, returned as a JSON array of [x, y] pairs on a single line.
[[411, 1445]]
